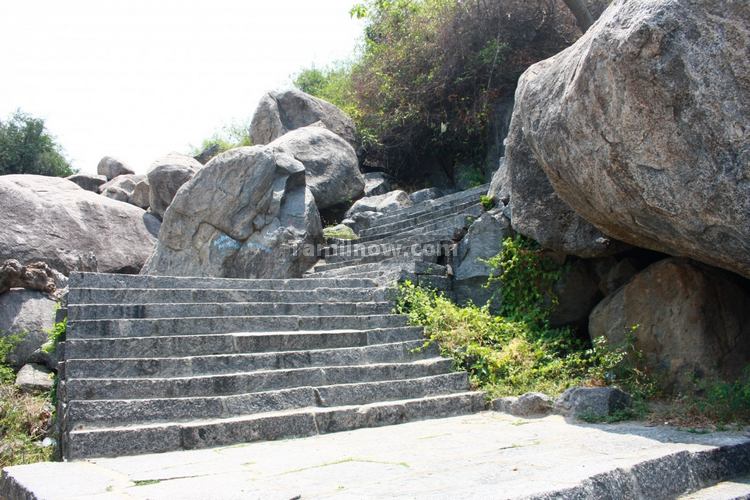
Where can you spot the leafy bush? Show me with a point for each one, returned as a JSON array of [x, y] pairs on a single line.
[[488, 202], [55, 335], [340, 232], [526, 276], [7, 344], [429, 71], [27, 148], [233, 135]]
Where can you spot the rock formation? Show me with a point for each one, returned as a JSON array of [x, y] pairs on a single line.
[[53, 220], [641, 127], [281, 112], [165, 176], [247, 213]]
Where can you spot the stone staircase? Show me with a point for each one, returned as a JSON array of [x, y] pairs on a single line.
[[155, 364], [413, 243]]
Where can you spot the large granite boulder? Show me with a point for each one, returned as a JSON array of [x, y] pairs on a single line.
[[483, 240], [331, 164], [111, 167], [128, 188], [246, 214], [536, 210], [28, 313], [166, 176], [280, 112], [53, 220], [382, 203], [690, 320], [642, 126], [87, 181]]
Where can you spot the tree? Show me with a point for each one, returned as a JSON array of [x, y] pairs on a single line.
[[27, 148]]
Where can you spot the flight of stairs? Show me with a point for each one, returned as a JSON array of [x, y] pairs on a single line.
[[413, 243], [155, 364]]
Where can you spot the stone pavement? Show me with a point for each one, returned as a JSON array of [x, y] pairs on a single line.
[[485, 455]]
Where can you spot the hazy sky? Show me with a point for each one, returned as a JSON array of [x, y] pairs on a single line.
[[139, 78]]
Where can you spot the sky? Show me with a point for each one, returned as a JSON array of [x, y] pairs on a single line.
[[137, 79]]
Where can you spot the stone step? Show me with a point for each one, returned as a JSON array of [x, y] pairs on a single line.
[[378, 259], [125, 296], [382, 224], [241, 383], [156, 438], [428, 206], [189, 310], [402, 224], [99, 413], [389, 266], [217, 364], [235, 343], [737, 488], [108, 328], [103, 280], [456, 220], [435, 241]]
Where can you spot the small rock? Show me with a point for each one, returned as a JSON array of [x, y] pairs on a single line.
[[383, 203], [34, 379], [532, 404], [592, 403], [376, 183]]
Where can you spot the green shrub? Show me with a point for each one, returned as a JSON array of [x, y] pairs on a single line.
[[340, 232], [233, 135], [55, 335], [524, 276], [422, 86], [488, 202], [7, 344], [27, 148]]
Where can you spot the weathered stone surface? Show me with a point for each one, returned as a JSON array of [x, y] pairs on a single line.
[[34, 379], [536, 210], [426, 194], [248, 213], [30, 313], [376, 183], [577, 294], [87, 181], [281, 112], [592, 403], [331, 165], [612, 273], [483, 240], [208, 153], [641, 127], [694, 321], [34, 276], [531, 404], [53, 220], [500, 186], [498, 126], [128, 188], [111, 167], [165, 176], [383, 203]]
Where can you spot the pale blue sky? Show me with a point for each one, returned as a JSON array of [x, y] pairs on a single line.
[[139, 78]]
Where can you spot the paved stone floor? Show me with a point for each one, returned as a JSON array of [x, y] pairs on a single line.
[[486, 455]]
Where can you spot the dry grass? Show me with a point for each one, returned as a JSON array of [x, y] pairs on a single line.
[[24, 422]]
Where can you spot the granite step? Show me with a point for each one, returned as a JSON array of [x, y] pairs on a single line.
[[217, 364], [395, 227], [112, 328], [235, 343], [156, 438], [190, 310], [245, 382], [124, 296], [456, 221], [99, 413]]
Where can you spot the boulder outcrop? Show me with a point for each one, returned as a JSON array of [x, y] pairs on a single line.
[[281, 112], [248, 213], [642, 128], [28, 314], [382, 203], [53, 220], [331, 165], [689, 320], [88, 182], [166, 176], [128, 188], [111, 167]]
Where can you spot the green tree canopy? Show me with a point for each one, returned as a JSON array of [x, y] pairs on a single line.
[[26, 147]]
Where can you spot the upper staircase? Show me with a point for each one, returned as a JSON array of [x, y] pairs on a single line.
[[155, 364]]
